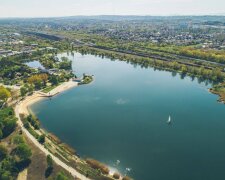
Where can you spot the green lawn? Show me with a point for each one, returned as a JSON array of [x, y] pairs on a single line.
[[49, 88]]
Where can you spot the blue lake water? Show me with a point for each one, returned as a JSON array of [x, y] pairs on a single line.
[[122, 116]]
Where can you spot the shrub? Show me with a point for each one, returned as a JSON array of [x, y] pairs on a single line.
[[23, 151], [97, 165], [3, 152], [48, 171], [61, 176], [116, 176], [41, 139], [49, 160], [33, 121], [126, 178], [18, 139]]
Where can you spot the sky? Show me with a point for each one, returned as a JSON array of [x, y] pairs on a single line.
[[56, 8]]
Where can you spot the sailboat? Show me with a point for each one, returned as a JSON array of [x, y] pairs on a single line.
[[169, 120]]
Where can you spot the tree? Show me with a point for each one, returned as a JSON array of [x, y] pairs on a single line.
[[18, 139], [61, 176], [49, 169], [41, 139], [23, 91], [23, 151], [4, 93], [217, 74], [6, 175], [184, 69], [1, 134], [44, 78], [30, 89], [9, 126], [65, 63], [54, 80], [49, 160], [3, 152], [38, 80]]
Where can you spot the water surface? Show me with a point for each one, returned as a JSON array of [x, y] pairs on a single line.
[[122, 116], [35, 64]]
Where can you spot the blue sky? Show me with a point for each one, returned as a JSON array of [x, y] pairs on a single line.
[[49, 8]]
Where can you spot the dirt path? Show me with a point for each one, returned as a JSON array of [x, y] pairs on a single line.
[[22, 175]]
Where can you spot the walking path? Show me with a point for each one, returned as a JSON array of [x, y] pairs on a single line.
[[22, 108]]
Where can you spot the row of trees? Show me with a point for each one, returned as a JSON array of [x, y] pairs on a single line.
[[211, 55], [38, 80], [214, 74]]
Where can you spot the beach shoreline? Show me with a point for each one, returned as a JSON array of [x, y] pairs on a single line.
[[38, 96], [22, 107]]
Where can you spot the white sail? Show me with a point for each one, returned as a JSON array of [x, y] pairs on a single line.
[[169, 120]]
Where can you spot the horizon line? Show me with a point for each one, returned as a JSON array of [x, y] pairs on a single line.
[[137, 15]]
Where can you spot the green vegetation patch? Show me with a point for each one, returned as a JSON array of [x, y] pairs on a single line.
[[7, 122], [14, 153], [49, 88]]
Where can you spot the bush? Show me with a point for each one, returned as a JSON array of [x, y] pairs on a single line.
[[7, 122], [23, 151], [61, 176], [3, 152], [41, 139], [33, 121], [49, 161], [18, 139], [116, 176], [48, 171], [126, 178], [26, 125], [33, 133], [21, 165], [97, 165], [9, 126]]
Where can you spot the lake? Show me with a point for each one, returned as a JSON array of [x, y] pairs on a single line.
[[123, 115]]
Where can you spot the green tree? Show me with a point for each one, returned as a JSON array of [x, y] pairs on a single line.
[[6, 175], [23, 151], [23, 91], [4, 93], [49, 160], [9, 126], [18, 139], [3, 152], [61, 176], [54, 80], [1, 134], [49, 169], [41, 139], [184, 69]]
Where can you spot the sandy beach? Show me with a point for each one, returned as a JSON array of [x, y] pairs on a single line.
[[37, 96], [22, 108]]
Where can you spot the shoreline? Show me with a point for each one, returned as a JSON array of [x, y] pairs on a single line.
[[38, 96], [22, 107], [221, 99]]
